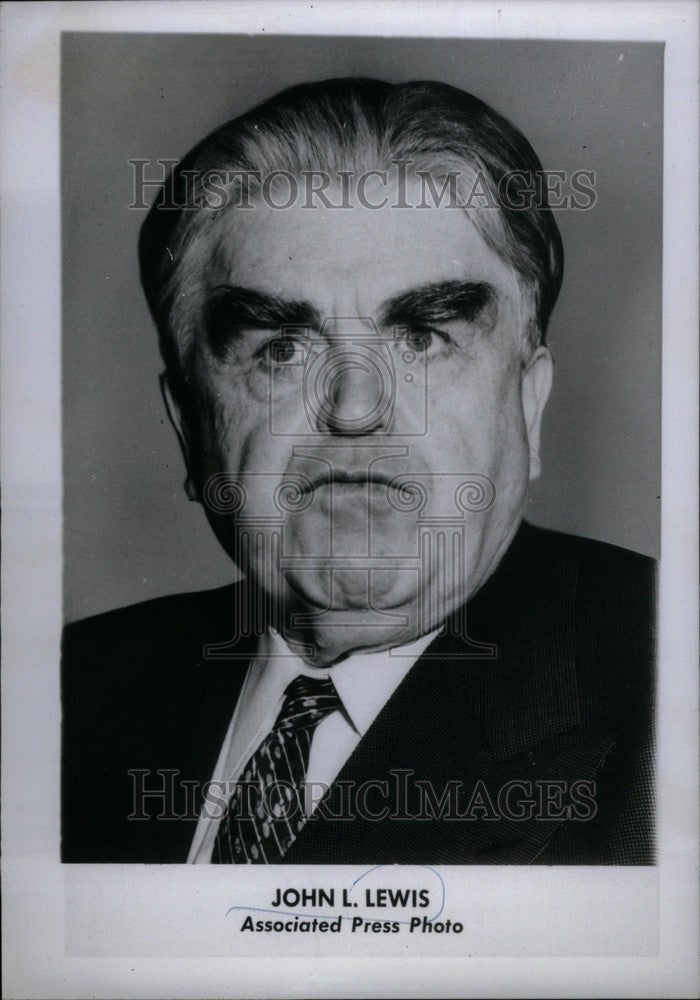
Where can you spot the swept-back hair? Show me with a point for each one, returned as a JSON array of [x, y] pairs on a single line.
[[355, 125]]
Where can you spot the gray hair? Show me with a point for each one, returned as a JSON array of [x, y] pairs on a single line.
[[341, 125]]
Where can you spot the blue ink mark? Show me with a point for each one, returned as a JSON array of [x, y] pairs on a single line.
[[283, 913], [428, 868]]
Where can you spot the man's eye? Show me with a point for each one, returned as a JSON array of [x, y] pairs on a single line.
[[282, 351], [419, 341], [422, 340]]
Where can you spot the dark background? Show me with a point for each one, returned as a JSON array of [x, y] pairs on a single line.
[[130, 533]]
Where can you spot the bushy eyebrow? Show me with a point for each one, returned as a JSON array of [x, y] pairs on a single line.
[[440, 302], [231, 309]]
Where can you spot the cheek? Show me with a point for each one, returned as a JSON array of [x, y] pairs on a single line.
[[477, 420], [234, 431], [228, 414], [508, 421]]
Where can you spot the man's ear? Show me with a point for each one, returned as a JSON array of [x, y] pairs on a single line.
[[178, 419], [536, 382]]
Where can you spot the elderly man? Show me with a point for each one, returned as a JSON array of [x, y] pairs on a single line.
[[352, 284]]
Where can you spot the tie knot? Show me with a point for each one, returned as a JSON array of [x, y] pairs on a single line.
[[307, 700]]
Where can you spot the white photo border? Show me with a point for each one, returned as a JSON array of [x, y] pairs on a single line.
[[46, 903]]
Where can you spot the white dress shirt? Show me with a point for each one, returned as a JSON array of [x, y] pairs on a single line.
[[364, 683]]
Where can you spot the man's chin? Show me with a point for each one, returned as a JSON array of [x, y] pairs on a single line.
[[344, 589]]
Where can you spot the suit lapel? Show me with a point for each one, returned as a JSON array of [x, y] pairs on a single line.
[[199, 708], [225, 643]]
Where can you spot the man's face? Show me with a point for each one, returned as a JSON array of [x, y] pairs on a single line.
[[358, 373]]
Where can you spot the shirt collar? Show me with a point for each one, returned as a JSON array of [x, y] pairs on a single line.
[[364, 681]]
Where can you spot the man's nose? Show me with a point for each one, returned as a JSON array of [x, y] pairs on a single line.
[[354, 391]]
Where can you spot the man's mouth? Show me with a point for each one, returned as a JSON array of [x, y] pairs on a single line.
[[348, 477]]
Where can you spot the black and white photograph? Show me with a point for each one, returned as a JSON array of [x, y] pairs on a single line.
[[370, 499], [354, 284]]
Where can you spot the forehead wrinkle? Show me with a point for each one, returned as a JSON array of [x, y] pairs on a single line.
[[236, 251], [225, 242]]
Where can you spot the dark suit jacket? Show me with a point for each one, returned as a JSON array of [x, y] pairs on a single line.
[[567, 699]]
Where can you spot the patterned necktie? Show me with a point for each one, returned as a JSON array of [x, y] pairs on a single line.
[[266, 811]]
